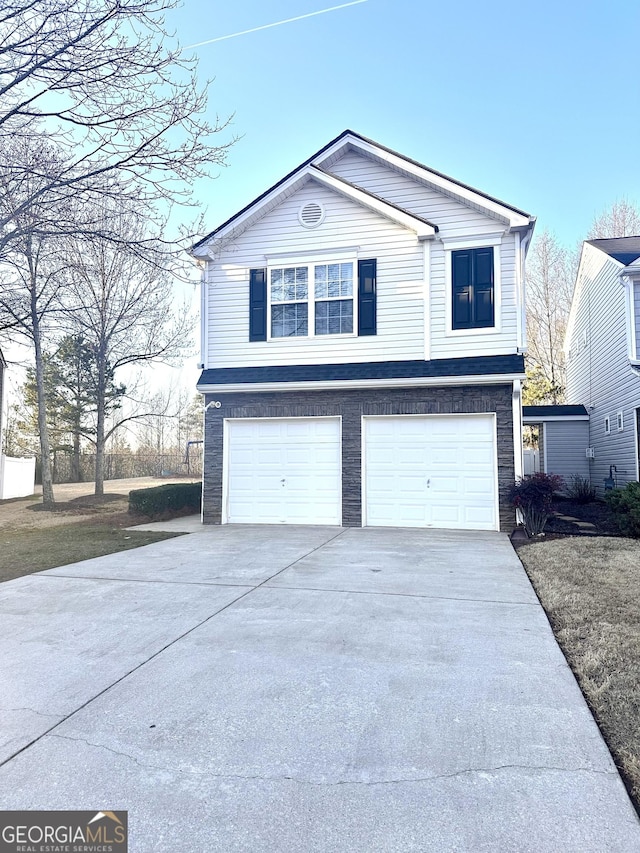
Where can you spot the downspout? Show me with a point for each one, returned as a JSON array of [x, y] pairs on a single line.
[[518, 460], [522, 290]]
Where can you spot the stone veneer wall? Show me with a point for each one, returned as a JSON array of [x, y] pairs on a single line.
[[351, 405]]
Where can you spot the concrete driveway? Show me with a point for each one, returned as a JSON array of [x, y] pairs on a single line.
[[304, 689]]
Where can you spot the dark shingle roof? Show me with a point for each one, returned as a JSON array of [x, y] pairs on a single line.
[[553, 411], [438, 368], [623, 249]]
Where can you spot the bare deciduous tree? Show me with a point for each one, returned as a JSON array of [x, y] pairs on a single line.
[[33, 275], [622, 219], [549, 286], [123, 304], [105, 84]]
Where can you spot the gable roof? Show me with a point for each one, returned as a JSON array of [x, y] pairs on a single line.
[[348, 139], [625, 250]]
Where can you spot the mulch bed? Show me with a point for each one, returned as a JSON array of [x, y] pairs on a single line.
[[596, 513]]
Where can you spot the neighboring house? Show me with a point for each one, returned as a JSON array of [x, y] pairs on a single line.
[[602, 348], [560, 443], [17, 476], [362, 338], [3, 367]]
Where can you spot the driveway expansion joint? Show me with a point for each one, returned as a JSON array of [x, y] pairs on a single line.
[[151, 580]]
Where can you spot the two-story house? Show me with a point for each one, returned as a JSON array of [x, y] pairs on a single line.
[[362, 338], [602, 348]]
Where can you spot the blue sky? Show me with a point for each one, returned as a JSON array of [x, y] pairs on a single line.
[[536, 104]]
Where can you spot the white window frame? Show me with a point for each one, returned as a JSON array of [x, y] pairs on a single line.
[[607, 425], [311, 263], [480, 242], [620, 421]]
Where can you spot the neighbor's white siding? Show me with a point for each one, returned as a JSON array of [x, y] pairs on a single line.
[[598, 370], [346, 225]]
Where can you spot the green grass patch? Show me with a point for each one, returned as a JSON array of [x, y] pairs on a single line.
[[25, 551]]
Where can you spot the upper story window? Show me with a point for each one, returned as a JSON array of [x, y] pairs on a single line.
[[315, 299], [472, 288]]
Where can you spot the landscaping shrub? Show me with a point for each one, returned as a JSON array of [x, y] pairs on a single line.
[[580, 489], [533, 497], [625, 505], [171, 497]]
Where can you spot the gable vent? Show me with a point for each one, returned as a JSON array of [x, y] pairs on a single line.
[[311, 214]]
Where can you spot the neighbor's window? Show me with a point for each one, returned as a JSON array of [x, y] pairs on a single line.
[[328, 311], [620, 421], [607, 425], [472, 288]]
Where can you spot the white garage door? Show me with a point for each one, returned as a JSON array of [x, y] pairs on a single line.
[[283, 471], [430, 471]]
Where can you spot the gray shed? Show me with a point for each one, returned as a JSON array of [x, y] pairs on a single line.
[[557, 441]]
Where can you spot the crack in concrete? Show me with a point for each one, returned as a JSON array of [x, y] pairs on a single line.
[[31, 711], [247, 591], [355, 782]]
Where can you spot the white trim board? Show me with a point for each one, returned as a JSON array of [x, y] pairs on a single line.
[[347, 384]]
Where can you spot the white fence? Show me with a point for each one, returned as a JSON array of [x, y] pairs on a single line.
[[531, 461], [17, 477]]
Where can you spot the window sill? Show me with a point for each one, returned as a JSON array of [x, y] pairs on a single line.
[[481, 330], [342, 336]]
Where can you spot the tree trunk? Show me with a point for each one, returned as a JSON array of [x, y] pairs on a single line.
[[76, 474], [100, 418], [47, 478]]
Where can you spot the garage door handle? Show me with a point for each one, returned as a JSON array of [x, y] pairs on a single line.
[[428, 483], [283, 481]]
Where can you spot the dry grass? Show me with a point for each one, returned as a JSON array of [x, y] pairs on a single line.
[[590, 589], [33, 539], [25, 551]]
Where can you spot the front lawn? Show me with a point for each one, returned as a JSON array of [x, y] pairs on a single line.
[[32, 550], [590, 589]]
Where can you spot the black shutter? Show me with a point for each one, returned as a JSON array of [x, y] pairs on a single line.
[[472, 289], [461, 268], [258, 305], [483, 287], [367, 297]]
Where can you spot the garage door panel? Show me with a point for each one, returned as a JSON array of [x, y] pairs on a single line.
[[283, 471], [456, 454]]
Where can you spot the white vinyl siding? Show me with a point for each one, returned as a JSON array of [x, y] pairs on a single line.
[[598, 369], [453, 218], [411, 312], [347, 227]]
